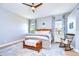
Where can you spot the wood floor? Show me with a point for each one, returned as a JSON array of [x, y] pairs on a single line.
[[71, 53], [55, 50]]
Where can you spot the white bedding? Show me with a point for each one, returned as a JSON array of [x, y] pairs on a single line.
[[31, 42], [43, 35], [38, 37]]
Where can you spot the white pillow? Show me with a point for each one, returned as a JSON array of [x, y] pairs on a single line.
[[42, 32]]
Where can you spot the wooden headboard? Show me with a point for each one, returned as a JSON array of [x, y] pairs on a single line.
[[43, 29]]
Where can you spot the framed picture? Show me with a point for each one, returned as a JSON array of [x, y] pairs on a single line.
[[71, 25], [43, 23]]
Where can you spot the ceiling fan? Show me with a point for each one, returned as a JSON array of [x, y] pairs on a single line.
[[33, 6]]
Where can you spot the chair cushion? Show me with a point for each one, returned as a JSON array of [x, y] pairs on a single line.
[[66, 41]]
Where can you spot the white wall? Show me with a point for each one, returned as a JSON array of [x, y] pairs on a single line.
[[12, 26], [74, 16], [47, 21], [77, 33]]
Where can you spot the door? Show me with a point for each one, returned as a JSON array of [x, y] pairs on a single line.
[[58, 32]]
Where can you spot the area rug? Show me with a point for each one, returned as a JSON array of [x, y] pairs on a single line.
[[53, 51], [18, 50]]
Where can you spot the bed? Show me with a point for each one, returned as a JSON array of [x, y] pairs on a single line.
[[42, 35], [46, 43]]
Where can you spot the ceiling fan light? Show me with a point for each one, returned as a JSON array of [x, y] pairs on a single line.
[[33, 8]]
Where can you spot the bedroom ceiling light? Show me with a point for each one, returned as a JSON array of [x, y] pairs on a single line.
[[33, 6], [33, 9]]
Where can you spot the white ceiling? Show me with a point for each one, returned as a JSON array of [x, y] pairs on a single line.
[[46, 9]]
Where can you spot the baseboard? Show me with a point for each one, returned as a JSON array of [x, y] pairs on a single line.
[[76, 50], [11, 43]]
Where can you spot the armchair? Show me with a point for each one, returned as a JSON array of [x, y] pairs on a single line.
[[65, 43]]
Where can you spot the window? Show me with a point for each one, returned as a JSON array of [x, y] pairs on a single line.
[[32, 26]]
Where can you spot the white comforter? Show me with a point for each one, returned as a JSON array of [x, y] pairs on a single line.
[[41, 35], [45, 35], [38, 37]]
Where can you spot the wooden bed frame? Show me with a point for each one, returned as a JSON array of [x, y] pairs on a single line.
[[43, 29]]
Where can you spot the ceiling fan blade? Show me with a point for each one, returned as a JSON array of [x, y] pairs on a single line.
[[27, 4], [38, 5]]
